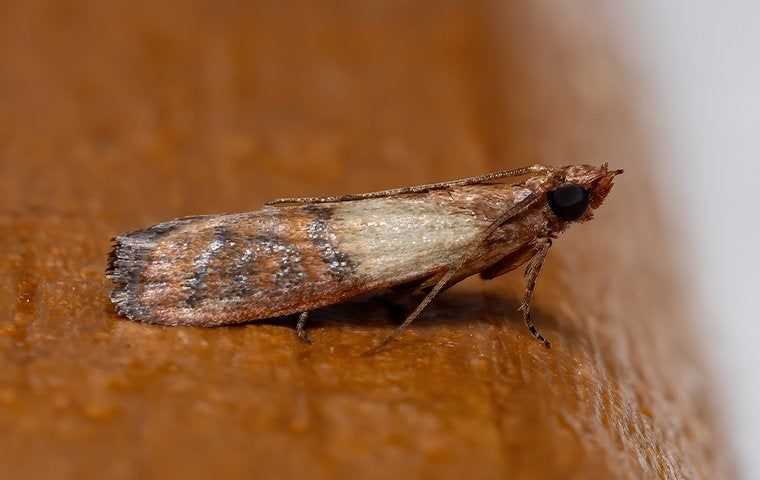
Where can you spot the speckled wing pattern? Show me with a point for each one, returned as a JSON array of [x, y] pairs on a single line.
[[223, 269]]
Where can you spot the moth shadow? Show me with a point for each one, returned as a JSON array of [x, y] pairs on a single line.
[[453, 309]]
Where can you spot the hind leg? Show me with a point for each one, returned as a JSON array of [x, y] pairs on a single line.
[[301, 327]]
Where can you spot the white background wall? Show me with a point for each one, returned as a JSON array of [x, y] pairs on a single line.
[[702, 59]]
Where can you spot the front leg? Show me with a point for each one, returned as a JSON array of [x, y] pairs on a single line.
[[532, 271]]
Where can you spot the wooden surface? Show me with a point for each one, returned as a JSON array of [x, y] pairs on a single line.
[[116, 115]]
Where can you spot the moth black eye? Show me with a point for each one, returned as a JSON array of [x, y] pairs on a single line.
[[569, 201]]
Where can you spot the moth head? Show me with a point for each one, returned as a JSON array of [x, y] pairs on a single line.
[[582, 189]]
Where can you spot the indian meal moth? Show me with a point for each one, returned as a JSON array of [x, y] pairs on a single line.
[[296, 255]]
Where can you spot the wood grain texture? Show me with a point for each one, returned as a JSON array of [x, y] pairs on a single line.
[[117, 115]]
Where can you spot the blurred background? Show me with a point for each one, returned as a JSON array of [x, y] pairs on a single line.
[[700, 59]]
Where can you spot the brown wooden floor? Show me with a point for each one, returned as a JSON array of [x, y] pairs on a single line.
[[116, 115]]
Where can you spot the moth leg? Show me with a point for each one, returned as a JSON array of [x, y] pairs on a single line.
[[532, 271], [417, 311], [301, 327], [517, 172], [452, 269]]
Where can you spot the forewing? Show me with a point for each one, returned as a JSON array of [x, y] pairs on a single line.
[[225, 269]]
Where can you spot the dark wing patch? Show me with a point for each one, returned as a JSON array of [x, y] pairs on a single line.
[[202, 263], [338, 264]]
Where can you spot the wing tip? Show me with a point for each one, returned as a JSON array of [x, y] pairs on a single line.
[[124, 267], [130, 254]]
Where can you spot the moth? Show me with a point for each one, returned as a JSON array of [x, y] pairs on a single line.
[[296, 255]]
